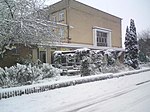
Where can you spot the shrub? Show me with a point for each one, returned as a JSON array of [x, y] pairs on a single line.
[[85, 67], [26, 74]]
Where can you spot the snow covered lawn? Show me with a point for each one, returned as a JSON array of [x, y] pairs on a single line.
[[113, 95]]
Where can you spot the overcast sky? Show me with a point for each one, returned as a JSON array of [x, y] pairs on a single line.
[[139, 10]]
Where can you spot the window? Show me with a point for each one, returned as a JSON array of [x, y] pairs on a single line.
[[61, 33], [61, 16], [54, 18], [43, 56], [102, 37]]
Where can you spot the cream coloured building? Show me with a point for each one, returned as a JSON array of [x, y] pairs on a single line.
[[84, 26]]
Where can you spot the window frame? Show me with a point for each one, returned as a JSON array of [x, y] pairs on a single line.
[[54, 18], [101, 38], [40, 50], [61, 32], [61, 16], [103, 32]]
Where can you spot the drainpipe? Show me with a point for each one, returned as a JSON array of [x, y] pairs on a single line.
[[67, 21]]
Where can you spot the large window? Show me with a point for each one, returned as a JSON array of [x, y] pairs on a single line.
[[102, 37]]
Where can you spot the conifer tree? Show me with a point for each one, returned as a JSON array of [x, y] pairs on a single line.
[[131, 46]]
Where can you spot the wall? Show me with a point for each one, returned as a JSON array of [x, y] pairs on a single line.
[[83, 18]]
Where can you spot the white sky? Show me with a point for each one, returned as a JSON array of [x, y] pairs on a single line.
[[125, 9]]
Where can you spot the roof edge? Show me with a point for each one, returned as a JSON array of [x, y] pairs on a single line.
[[97, 9]]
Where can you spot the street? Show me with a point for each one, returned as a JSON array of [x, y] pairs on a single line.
[[125, 94], [128, 100]]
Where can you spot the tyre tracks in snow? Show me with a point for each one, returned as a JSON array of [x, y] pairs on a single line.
[[77, 106]]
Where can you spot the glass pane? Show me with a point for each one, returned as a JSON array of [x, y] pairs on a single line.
[[101, 38], [43, 56]]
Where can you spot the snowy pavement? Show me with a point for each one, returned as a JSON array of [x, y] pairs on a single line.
[[125, 94]]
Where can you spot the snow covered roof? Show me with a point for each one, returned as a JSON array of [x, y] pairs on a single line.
[[82, 49], [81, 46], [78, 46]]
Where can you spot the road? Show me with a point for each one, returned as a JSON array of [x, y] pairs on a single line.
[[134, 99], [124, 94]]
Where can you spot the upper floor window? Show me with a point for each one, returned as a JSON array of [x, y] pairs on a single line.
[[61, 32], [61, 16], [54, 18], [102, 37]]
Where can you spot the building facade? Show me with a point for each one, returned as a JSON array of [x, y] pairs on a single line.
[[85, 27]]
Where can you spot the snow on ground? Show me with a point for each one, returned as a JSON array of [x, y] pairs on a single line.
[[124, 94]]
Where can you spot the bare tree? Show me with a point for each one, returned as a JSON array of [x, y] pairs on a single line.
[[25, 21], [144, 42]]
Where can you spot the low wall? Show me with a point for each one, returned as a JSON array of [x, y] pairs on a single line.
[[18, 91]]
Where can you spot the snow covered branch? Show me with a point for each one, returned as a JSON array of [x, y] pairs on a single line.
[[28, 23]]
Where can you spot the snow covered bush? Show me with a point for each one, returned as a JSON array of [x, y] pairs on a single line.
[[111, 57], [3, 77], [90, 62], [57, 58], [49, 71], [115, 68], [19, 75], [97, 60], [85, 66]]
